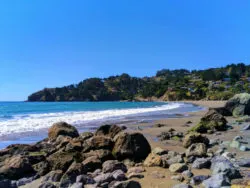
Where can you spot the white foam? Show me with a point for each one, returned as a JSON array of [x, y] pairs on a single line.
[[34, 122]]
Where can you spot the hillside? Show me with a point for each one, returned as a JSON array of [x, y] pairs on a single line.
[[211, 84]]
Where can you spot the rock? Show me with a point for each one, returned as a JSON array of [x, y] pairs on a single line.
[[244, 162], [158, 125], [62, 128], [47, 185], [76, 185], [177, 178], [201, 163], [108, 130], [74, 145], [15, 149], [193, 138], [129, 163], [97, 172], [216, 181], [86, 135], [84, 179], [119, 175], [127, 184], [212, 120], [223, 111], [69, 177], [197, 150], [178, 167], [238, 138], [102, 154], [131, 145], [213, 142], [196, 180], [235, 144], [175, 159], [153, 160], [220, 151], [42, 168], [24, 181], [6, 183], [222, 165], [60, 160], [187, 174], [16, 167], [190, 159], [112, 165], [159, 151], [102, 178], [228, 155], [246, 128], [138, 169], [157, 175], [135, 175], [244, 148], [97, 142], [53, 176], [182, 185], [239, 105], [92, 163]]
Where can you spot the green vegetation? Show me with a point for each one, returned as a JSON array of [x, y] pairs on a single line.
[[211, 84]]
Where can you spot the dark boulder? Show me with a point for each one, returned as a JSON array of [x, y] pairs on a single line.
[[133, 146], [102, 154], [69, 177], [42, 168], [92, 163], [108, 130], [16, 167], [60, 160], [97, 142]]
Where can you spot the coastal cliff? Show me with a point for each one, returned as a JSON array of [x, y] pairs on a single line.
[[170, 85]]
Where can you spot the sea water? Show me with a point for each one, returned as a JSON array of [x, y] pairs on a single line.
[[26, 122]]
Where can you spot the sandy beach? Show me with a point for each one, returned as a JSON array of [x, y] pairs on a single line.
[[158, 177], [178, 124]]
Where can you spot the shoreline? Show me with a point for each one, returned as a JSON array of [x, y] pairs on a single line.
[[180, 124], [29, 137]]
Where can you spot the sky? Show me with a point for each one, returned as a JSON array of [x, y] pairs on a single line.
[[48, 43]]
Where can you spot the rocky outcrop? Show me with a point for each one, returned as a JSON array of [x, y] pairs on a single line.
[[62, 128], [239, 105], [108, 130], [213, 121]]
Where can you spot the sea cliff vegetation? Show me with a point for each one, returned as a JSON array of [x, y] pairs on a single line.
[[181, 84]]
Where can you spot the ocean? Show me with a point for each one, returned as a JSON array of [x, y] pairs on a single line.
[[27, 122]]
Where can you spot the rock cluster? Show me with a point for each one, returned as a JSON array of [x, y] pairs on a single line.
[[69, 159]]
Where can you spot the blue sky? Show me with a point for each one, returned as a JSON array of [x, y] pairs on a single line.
[[48, 43]]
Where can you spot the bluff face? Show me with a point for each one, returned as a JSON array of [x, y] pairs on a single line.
[[211, 84]]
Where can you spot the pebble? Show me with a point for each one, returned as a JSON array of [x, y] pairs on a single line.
[[246, 128], [244, 148]]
